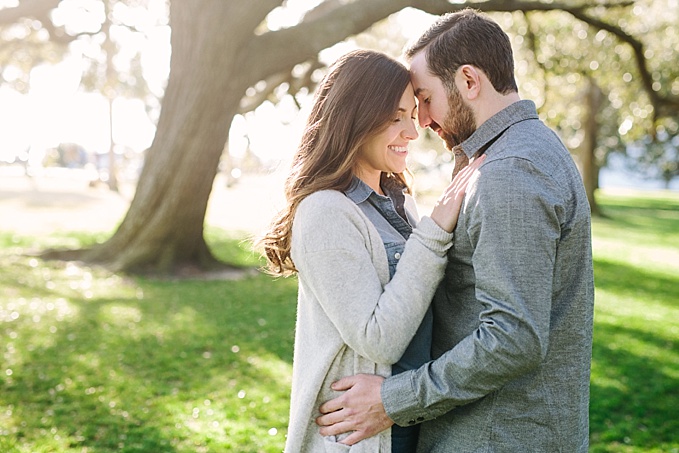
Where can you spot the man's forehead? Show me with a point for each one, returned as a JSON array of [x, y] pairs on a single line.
[[418, 68], [418, 63]]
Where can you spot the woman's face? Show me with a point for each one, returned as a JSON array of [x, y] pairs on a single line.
[[387, 151]]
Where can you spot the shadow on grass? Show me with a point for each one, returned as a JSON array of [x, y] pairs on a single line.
[[171, 371], [640, 214], [634, 398], [628, 281]]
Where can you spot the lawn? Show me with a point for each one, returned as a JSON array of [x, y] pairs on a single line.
[[635, 367], [96, 362]]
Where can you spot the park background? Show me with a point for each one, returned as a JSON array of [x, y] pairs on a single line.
[[132, 314]]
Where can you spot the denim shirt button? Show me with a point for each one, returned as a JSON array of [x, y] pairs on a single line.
[[397, 256]]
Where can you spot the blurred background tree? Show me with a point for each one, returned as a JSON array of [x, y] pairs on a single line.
[[605, 78], [603, 75], [41, 31]]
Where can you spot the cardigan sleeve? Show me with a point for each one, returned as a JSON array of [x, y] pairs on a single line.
[[334, 250]]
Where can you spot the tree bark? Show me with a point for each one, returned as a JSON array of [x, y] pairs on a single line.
[[588, 161]]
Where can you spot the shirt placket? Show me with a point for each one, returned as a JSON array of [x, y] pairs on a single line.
[[386, 207]]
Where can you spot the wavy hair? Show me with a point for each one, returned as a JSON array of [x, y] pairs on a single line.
[[356, 100]]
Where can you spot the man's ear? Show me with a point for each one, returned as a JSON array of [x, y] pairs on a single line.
[[468, 80]]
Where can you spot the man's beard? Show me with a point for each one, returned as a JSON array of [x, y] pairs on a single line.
[[459, 123]]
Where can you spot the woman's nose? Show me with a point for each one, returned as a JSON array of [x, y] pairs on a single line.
[[410, 132]]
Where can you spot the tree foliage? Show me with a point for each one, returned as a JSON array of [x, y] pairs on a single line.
[[629, 52]]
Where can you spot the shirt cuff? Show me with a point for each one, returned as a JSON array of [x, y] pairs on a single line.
[[399, 401]]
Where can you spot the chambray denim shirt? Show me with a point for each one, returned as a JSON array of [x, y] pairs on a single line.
[[394, 224]]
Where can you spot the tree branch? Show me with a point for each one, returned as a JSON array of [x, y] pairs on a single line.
[[40, 10], [442, 6], [331, 22], [320, 30], [251, 13], [532, 45], [662, 105], [295, 83]]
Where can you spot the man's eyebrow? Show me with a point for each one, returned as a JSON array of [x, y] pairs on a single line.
[[419, 91]]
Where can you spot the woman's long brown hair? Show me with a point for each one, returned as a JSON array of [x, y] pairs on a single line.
[[357, 99]]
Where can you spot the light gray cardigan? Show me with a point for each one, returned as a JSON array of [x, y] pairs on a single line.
[[350, 318]]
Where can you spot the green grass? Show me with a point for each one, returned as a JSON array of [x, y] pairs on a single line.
[[96, 362], [635, 367]]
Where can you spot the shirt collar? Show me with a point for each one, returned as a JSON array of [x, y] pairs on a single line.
[[358, 191], [498, 123]]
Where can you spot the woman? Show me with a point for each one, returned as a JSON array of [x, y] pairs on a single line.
[[347, 224]]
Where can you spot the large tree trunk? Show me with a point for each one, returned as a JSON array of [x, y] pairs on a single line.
[[163, 229], [588, 162]]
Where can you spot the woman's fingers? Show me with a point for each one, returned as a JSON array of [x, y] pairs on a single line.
[[459, 184]]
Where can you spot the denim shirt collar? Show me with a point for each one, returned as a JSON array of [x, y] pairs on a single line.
[[497, 124], [358, 191], [389, 206]]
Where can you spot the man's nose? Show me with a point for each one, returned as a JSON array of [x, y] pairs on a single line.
[[423, 117]]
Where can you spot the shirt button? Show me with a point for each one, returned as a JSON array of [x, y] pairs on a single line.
[[397, 256]]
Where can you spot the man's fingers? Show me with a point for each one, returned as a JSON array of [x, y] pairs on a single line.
[[344, 384], [331, 418], [358, 409], [331, 406], [355, 437], [336, 429], [336, 404], [345, 427]]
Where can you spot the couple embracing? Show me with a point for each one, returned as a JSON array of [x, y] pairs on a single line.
[[467, 330]]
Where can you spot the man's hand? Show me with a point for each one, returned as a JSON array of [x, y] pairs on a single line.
[[359, 409]]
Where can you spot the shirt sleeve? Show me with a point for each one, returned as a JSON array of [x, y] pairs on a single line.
[[513, 224], [332, 251]]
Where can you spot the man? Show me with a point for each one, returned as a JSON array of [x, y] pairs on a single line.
[[513, 317]]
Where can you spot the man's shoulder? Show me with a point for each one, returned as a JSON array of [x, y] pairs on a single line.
[[534, 142], [531, 134]]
